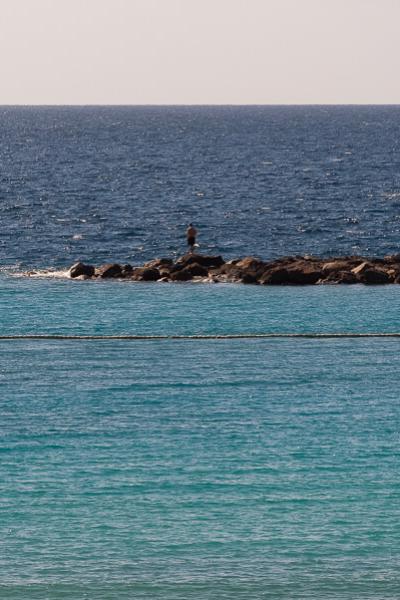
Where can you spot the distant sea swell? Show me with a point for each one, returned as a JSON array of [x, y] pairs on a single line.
[[121, 183]]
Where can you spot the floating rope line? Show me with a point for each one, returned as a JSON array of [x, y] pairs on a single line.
[[232, 336]]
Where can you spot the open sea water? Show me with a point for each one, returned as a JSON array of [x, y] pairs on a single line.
[[197, 469]]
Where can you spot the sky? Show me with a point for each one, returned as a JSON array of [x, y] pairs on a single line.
[[199, 51]]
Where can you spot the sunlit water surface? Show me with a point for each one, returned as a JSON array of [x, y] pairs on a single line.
[[198, 469]]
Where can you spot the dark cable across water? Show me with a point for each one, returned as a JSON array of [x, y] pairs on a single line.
[[49, 336]]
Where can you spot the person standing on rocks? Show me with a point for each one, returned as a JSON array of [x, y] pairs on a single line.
[[191, 233]]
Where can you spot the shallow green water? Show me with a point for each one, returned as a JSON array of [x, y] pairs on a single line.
[[198, 469]]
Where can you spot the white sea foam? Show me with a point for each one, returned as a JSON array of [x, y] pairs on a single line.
[[391, 195], [43, 273]]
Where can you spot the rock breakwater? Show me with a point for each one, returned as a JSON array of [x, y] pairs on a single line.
[[289, 270]]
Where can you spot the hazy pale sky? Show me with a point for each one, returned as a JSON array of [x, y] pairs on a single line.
[[199, 51]]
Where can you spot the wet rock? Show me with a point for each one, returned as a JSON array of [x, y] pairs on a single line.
[[287, 270], [294, 274], [109, 271], [304, 275], [164, 274], [339, 277], [126, 270], [175, 267], [158, 263], [200, 259], [197, 270], [83, 277], [249, 279], [182, 275], [79, 269], [374, 277], [277, 276], [227, 272], [146, 274]]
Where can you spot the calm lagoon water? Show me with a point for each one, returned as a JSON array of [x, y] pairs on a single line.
[[198, 469], [58, 306], [183, 469]]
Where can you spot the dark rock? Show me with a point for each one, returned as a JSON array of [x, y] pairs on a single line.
[[227, 269], [250, 269], [287, 270], [378, 261], [222, 278], [306, 275], [109, 270], [182, 275], [197, 270], [126, 270], [374, 277], [340, 277], [164, 274], [228, 272], [200, 259], [145, 274], [277, 276], [295, 274], [159, 262], [175, 267], [249, 278], [79, 269]]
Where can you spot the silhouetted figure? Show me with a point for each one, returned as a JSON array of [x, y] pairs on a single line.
[[191, 233]]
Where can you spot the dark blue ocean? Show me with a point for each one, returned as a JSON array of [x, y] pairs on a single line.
[[121, 183], [187, 469]]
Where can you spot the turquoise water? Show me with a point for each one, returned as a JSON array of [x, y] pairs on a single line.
[[181, 469], [29, 305]]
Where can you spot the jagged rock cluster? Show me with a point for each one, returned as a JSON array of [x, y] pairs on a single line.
[[291, 270]]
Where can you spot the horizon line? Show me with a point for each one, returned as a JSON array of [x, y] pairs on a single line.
[[251, 104]]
